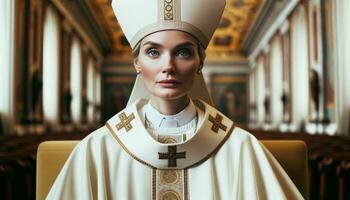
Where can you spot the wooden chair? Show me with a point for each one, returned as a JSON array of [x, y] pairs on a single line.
[[51, 155]]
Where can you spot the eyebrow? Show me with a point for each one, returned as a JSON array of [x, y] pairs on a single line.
[[177, 46]]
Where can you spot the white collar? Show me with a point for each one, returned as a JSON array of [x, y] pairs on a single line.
[[160, 120]]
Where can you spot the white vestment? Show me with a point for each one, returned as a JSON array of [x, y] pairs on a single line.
[[221, 161]]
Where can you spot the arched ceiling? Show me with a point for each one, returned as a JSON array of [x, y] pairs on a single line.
[[226, 42]]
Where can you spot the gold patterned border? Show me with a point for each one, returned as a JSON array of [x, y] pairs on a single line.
[[154, 176], [168, 10], [186, 184]]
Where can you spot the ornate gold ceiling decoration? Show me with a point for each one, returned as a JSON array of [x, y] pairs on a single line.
[[237, 18], [106, 17]]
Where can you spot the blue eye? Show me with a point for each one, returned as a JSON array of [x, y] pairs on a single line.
[[153, 53], [185, 53]]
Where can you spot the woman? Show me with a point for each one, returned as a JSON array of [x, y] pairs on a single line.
[[168, 143]]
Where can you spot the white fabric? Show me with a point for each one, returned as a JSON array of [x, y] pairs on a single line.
[[160, 120], [170, 127], [186, 16], [182, 133], [105, 165], [129, 18], [187, 118]]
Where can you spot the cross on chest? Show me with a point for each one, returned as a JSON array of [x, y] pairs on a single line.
[[172, 156], [125, 121], [217, 123]]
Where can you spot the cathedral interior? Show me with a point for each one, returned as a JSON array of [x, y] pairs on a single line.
[[278, 68]]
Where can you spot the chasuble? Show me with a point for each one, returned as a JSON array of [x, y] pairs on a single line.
[[122, 160]]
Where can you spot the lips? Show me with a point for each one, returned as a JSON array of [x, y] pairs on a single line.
[[172, 81], [168, 83]]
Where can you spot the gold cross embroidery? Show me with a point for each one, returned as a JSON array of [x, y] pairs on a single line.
[[172, 156], [125, 121], [217, 123]]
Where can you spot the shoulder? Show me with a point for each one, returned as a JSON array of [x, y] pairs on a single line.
[[241, 134], [239, 137], [99, 139], [97, 135]]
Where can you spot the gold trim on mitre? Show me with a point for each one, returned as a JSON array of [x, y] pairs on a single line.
[[169, 11]]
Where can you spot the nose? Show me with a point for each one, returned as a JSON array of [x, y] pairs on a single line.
[[168, 65]]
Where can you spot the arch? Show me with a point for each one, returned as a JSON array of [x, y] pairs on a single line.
[[51, 66]]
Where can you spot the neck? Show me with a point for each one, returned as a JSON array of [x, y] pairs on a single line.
[[169, 107]]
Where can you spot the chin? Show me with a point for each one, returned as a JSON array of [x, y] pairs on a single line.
[[170, 95]]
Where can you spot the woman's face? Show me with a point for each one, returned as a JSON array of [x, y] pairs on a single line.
[[168, 61]]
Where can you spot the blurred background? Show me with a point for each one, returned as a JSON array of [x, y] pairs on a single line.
[[279, 68]]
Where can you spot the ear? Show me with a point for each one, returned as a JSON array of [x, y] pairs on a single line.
[[137, 65], [201, 65]]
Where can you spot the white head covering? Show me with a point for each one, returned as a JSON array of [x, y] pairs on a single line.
[[139, 18]]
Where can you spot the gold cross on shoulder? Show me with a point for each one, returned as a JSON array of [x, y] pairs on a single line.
[[217, 123], [125, 121]]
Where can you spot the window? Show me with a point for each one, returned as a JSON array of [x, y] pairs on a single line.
[[50, 66], [76, 80]]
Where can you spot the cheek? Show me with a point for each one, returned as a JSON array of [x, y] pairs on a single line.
[[190, 69], [188, 73], [149, 72]]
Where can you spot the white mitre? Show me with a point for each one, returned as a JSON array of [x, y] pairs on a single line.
[[139, 18]]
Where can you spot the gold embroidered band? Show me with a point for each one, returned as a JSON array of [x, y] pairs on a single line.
[[168, 10], [169, 184]]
